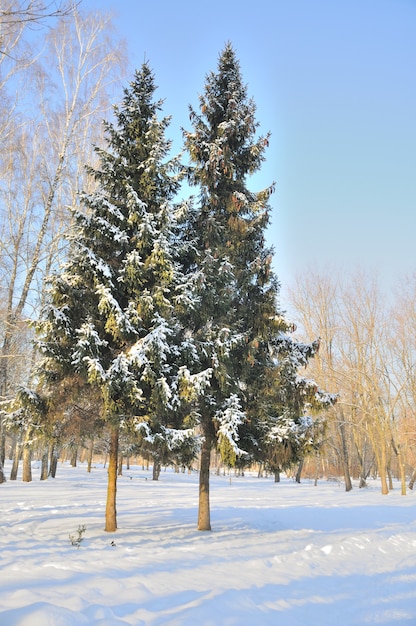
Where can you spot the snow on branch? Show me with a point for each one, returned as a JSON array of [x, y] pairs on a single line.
[[122, 381], [117, 319], [173, 439], [192, 386], [228, 420], [93, 261], [293, 352], [155, 346], [300, 432], [87, 350], [284, 430], [58, 317]]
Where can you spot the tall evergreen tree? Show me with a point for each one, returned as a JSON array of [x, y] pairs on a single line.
[[239, 328], [112, 317]]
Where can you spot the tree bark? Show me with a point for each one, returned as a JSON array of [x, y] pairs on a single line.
[[2, 443], [53, 464], [44, 464], [27, 464], [204, 516], [412, 479], [156, 469], [2, 475], [402, 469], [16, 458], [90, 455], [299, 472], [382, 468], [390, 478], [110, 510], [74, 456], [344, 455], [315, 482], [402, 465]]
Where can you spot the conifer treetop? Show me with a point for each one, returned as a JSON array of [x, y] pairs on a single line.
[[112, 316]]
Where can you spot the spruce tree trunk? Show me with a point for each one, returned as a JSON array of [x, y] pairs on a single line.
[[156, 469], [53, 463], [299, 471], [204, 516], [315, 482], [12, 447], [90, 454], [16, 458], [74, 456], [277, 476], [27, 464], [110, 510], [2, 444], [44, 464], [2, 475]]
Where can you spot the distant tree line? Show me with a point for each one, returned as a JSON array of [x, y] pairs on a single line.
[[368, 354]]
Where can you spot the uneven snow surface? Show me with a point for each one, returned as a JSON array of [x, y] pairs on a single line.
[[279, 554]]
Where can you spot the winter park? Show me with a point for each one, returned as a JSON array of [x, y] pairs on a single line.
[[175, 446], [278, 553]]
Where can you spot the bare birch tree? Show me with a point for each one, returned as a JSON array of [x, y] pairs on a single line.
[[57, 120], [403, 348], [315, 300]]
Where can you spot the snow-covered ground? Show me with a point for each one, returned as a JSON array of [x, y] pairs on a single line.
[[279, 554]]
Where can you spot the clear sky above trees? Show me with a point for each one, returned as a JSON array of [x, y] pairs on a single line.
[[334, 83]]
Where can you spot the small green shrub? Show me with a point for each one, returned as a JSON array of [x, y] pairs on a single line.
[[77, 539]]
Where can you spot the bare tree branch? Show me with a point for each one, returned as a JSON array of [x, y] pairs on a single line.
[[37, 11], [17, 14]]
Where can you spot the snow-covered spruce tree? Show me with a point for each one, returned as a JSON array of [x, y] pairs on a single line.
[[112, 313], [239, 328]]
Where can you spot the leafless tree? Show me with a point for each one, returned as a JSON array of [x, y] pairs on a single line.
[[50, 137], [366, 356], [15, 15]]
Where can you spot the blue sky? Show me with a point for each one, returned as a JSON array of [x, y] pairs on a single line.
[[334, 81]]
